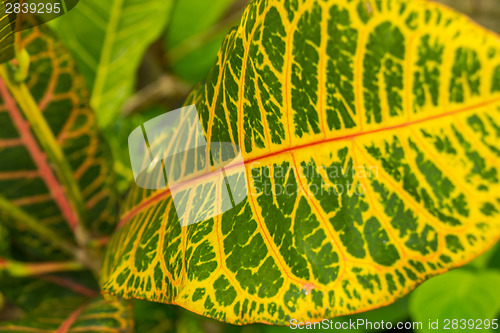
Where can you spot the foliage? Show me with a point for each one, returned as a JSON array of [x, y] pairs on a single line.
[[310, 254], [192, 46], [110, 47], [464, 295], [407, 88]]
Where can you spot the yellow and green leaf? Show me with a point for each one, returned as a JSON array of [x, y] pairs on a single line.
[[56, 172], [400, 98]]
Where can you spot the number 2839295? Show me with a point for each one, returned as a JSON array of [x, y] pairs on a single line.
[[34, 8]]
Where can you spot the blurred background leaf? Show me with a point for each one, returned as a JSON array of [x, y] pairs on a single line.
[[108, 40], [195, 34], [74, 314], [459, 294]]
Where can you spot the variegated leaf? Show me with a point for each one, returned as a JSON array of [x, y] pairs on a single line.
[[32, 181], [397, 102]]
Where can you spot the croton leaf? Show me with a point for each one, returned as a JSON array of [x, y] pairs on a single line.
[[370, 134], [112, 43], [34, 187], [74, 314]]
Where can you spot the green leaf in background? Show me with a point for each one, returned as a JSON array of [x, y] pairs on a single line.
[[194, 36], [108, 40], [458, 294], [41, 304]]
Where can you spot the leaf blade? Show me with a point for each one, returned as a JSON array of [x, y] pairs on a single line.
[[310, 93]]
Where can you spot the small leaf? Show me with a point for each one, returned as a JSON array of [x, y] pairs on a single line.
[[459, 294]]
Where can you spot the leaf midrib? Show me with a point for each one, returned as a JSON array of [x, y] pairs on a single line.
[[109, 42], [163, 193]]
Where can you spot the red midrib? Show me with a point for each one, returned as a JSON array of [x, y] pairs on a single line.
[[127, 216], [56, 190]]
